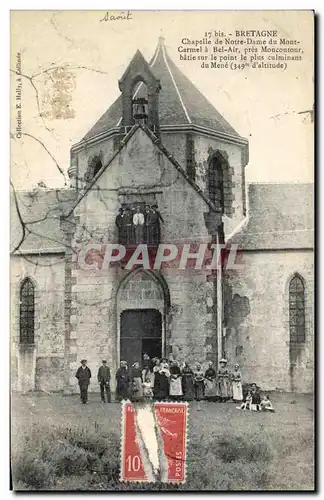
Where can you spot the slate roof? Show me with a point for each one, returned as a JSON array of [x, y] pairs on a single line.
[[180, 102], [280, 216]]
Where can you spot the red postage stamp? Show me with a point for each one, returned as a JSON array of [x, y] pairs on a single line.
[[154, 442]]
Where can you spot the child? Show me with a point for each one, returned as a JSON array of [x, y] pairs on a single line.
[[147, 388], [266, 404], [247, 405], [256, 398]]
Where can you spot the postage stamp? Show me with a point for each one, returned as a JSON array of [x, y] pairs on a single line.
[[154, 442]]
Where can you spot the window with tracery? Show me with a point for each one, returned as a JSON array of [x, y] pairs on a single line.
[[297, 310], [27, 312]]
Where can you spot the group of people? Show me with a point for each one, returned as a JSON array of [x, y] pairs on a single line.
[[163, 379], [139, 226], [168, 380]]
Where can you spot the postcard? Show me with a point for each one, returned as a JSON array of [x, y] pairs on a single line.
[[162, 250]]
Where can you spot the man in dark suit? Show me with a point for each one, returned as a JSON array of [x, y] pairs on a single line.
[[104, 381], [121, 227], [83, 375]]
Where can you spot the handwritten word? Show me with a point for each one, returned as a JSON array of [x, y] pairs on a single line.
[[123, 16]]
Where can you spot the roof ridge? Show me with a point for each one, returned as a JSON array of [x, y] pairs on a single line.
[[174, 83], [197, 90]]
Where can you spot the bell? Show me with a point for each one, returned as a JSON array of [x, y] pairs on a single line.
[[140, 109]]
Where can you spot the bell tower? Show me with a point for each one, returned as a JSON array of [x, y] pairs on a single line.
[[140, 94]]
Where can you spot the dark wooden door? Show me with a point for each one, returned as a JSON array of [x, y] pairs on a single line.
[[140, 331]]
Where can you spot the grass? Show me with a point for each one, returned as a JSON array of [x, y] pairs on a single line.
[[58, 444]]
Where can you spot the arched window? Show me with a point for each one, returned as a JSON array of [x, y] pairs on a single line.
[[296, 310], [140, 103], [216, 182], [97, 165], [94, 165], [27, 312]]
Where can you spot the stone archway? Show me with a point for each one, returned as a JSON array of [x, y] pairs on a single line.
[[142, 316]]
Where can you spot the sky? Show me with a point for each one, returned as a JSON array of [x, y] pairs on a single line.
[[265, 106]]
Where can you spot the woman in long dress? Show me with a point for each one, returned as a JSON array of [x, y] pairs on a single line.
[[156, 378], [188, 383], [162, 386], [199, 383], [150, 372], [223, 381], [146, 364], [237, 384], [175, 381], [137, 382], [122, 378], [210, 383]]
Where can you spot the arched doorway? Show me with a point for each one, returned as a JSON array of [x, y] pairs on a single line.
[[142, 304], [140, 332]]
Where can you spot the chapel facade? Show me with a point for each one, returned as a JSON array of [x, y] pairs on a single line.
[[161, 147]]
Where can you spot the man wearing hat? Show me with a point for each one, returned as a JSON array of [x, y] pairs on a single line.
[[154, 225], [83, 375], [104, 381]]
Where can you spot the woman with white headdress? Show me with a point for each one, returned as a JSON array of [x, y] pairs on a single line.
[[199, 383], [223, 381], [137, 382], [237, 384], [210, 383], [175, 381], [122, 379]]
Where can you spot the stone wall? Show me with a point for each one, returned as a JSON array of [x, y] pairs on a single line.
[[257, 333], [175, 143], [234, 179], [192, 320], [103, 149], [140, 170], [235, 190], [44, 369]]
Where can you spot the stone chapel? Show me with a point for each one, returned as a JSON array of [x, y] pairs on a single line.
[[161, 143]]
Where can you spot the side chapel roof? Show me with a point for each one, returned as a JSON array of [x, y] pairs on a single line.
[[280, 217]]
